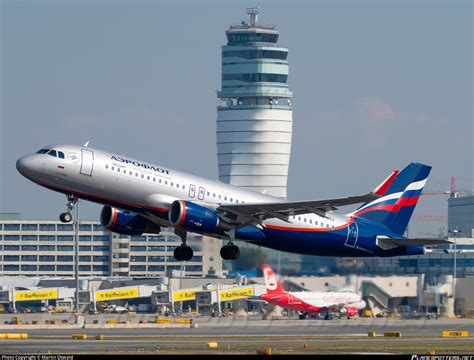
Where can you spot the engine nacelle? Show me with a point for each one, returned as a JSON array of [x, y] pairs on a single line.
[[192, 217], [126, 222]]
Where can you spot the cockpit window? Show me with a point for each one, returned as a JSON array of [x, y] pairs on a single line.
[[42, 151], [60, 154], [52, 153]]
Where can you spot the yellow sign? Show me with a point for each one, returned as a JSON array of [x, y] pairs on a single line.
[[234, 294], [36, 295], [105, 295], [455, 333], [184, 295]]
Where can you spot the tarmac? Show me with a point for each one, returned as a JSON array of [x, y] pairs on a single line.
[[242, 336]]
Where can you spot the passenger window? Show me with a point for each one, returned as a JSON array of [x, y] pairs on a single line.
[[143, 176], [52, 153], [131, 173], [171, 183], [184, 187], [177, 185], [112, 168], [159, 181], [136, 174], [118, 170], [225, 198], [148, 177], [124, 171], [154, 179], [106, 166], [61, 155], [214, 195]]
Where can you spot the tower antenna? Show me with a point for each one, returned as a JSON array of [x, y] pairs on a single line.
[[253, 12]]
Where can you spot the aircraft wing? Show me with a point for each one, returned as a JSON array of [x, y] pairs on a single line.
[[282, 210]]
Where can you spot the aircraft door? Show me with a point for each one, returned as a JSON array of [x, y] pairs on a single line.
[[87, 164], [201, 193], [192, 190], [352, 234]]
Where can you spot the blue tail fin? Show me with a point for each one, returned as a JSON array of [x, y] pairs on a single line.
[[396, 207]]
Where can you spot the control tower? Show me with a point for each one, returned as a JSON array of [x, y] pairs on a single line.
[[254, 115]]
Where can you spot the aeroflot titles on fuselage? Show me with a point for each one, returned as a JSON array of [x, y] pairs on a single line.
[[136, 163]]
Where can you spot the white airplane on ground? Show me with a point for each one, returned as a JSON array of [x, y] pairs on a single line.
[[141, 198], [309, 302]]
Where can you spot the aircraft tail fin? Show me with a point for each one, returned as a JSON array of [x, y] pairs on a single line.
[[395, 208], [271, 282]]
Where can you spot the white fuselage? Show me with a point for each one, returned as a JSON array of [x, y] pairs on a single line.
[[109, 178]]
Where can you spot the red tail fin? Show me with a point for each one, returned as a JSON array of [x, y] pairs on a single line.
[[271, 281]]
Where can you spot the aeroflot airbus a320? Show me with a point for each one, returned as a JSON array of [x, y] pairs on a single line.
[[139, 197]]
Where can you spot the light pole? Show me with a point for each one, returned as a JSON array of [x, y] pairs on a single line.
[[454, 267], [76, 256]]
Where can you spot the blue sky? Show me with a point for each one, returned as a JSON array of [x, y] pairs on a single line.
[[376, 84]]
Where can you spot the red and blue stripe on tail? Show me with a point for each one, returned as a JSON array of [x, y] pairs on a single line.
[[395, 208]]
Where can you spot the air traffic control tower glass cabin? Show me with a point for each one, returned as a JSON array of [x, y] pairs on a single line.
[[254, 116]]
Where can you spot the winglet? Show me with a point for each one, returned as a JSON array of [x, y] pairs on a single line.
[[382, 188], [86, 144]]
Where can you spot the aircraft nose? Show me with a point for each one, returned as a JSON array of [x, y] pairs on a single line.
[[25, 165]]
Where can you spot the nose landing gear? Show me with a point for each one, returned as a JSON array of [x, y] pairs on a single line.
[[66, 217], [183, 252]]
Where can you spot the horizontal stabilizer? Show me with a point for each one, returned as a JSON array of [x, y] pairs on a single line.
[[416, 241]]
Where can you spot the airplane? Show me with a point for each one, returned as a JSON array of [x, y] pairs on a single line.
[[140, 197], [309, 302]]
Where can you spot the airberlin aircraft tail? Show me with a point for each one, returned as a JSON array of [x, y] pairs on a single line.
[[271, 282]]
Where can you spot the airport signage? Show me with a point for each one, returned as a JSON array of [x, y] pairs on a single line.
[[235, 294], [32, 295], [105, 295], [184, 295]]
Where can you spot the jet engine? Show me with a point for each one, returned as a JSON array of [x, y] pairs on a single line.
[[196, 218], [126, 222]]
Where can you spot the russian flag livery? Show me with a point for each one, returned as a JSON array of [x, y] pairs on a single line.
[[140, 197], [394, 209]]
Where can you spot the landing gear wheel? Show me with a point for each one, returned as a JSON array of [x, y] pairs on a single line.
[[65, 217], [183, 253], [230, 252]]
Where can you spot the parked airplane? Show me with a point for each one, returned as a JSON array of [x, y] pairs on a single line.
[[309, 302], [141, 198]]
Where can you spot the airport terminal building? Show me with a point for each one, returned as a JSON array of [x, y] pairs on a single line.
[[46, 248], [461, 215]]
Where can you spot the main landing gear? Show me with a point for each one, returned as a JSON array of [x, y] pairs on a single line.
[[66, 217], [183, 252], [230, 251]]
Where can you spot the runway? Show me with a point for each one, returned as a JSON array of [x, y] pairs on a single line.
[[245, 336]]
